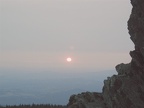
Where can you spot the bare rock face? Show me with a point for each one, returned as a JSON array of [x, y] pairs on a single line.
[[125, 90], [86, 100]]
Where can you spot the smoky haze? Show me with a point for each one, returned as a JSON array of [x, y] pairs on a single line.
[[37, 36], [41, 34]]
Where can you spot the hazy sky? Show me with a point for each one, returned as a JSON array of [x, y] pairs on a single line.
[[43, 33]]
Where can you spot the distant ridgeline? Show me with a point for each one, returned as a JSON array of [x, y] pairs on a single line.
[[34, 106]]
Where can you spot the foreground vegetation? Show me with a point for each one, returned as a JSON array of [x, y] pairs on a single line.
[[34, 106]]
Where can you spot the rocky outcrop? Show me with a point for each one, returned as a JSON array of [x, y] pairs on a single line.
[[126, 89], [86, 100]]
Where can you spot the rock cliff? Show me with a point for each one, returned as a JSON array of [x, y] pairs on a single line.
[[126, 89]]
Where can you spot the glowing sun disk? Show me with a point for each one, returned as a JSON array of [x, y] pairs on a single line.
[[69, 59]]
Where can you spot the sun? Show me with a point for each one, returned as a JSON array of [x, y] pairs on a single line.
[[69, 59]]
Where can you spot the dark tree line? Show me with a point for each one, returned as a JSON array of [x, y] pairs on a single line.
[[34, 106]]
